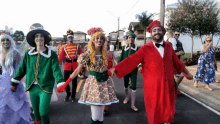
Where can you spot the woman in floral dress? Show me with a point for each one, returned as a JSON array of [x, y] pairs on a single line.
[[206, 69], [98, 90]]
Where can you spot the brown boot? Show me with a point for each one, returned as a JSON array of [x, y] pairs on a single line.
[[126, 96], [133, 96]]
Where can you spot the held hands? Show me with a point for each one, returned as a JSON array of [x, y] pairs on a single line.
[[140, 69], [190, 76], [13, 88], [62, 88], [111, 71]]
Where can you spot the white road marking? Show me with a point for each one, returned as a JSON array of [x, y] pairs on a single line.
[[208, 107]]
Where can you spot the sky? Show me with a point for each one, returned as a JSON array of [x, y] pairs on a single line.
[[57, 16]]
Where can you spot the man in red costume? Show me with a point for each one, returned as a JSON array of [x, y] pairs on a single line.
[[158, 61], [70, 52]]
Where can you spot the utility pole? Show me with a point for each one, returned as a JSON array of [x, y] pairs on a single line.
[[117, 40], [162, 11], [118, 35]]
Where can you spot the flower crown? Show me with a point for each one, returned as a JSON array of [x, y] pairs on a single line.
[[94, 30]]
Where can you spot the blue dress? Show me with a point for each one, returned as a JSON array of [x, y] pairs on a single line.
[[14, 106], [206, 69]]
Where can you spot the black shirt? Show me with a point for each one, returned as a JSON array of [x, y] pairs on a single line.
[[179, 47]]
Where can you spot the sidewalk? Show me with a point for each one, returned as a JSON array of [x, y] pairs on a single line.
[[210, 98]]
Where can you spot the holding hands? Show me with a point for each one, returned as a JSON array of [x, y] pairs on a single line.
[[62, 88], [13, 88], [189, 76], [111, 71]]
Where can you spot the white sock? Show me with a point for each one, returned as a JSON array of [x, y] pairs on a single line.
[[97, 112]]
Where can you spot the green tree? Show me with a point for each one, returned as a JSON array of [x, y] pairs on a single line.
[[144, 20], [194, 18]]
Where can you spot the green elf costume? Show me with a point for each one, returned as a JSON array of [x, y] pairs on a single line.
[[41, 70], [126, 52]]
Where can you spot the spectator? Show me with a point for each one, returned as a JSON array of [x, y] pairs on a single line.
[[124, 42], [178, 48], [53, 46], [17, 46], [110, 50], [179, 52], [172, 40], [206, 69], [59, 47]]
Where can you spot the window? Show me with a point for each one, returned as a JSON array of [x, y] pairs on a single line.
[[140, 31]]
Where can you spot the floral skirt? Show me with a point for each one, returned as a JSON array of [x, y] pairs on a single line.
[[98, 93]]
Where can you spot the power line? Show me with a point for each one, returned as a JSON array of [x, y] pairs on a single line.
[[132, 7]]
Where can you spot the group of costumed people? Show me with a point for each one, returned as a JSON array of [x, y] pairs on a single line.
[[156, 60]]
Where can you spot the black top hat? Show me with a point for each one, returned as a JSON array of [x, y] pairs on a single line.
[[31, 35]]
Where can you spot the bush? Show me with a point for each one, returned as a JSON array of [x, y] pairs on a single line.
[[194, 59]]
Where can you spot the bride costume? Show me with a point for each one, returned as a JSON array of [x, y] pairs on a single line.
[[14, 106]]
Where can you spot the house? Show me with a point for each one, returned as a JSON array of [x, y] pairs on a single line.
[[114, 36], [79, 37], [139, 41]]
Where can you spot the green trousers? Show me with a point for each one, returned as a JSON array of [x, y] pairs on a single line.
[[40, 103], [133, 77]]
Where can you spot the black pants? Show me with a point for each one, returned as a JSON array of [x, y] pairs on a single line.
[[74, 84]]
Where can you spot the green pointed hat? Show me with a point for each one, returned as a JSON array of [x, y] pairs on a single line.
[[130, 33]]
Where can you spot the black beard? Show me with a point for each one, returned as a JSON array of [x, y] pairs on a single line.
[[156, 39]]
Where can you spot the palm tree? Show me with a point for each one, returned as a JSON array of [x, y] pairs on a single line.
[[144, 21]]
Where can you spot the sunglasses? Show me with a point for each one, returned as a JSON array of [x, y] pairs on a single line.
[[208, 40], [5, 39], [177, 34]]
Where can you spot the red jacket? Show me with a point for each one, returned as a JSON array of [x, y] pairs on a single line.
[[71, 51], [158, 80]]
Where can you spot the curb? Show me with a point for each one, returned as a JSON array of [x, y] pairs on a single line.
[[208, 100]]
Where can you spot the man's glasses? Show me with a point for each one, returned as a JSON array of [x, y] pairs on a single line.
[[177, 34]]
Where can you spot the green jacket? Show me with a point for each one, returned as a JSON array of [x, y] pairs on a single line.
[[41, 67], [124, 54]]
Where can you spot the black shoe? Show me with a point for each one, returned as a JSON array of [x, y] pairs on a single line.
[[105, 112], [66, 99], [73, 100], [99, 122]]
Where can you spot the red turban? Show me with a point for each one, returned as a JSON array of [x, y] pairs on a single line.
[[155, 24]]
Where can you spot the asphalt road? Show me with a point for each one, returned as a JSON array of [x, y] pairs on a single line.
[[187, 110]]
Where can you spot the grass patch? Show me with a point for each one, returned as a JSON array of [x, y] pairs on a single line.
[[186, 55]]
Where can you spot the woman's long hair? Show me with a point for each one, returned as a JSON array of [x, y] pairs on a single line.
[[8, 63], [91, 47]]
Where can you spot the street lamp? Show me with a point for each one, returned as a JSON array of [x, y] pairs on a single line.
[[117, 42]]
